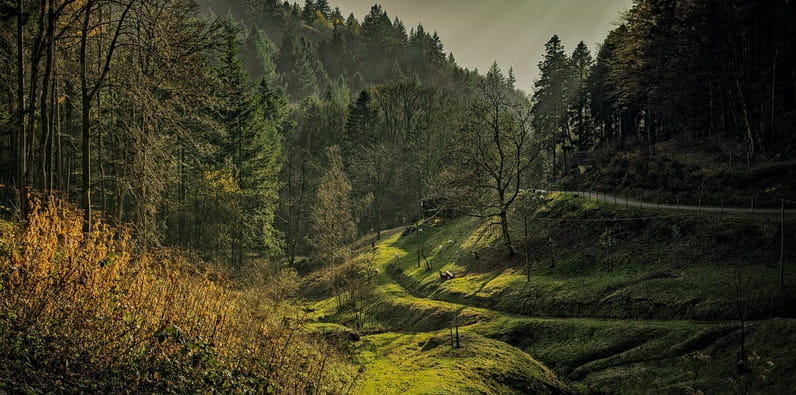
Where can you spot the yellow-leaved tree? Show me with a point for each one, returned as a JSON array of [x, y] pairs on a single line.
[[333, 222]]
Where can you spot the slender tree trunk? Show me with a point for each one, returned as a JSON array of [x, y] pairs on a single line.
[[527, 257], [504, 227], [33, 89], [745, 112], [85, 146], [21, 139], [773, 86], [649, 125], [50, 144], [88, 93], [378, 222], [44, 142]]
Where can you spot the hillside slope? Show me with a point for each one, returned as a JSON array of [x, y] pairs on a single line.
[[655, 306]]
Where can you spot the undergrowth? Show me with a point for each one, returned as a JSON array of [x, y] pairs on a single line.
[[91, 312]]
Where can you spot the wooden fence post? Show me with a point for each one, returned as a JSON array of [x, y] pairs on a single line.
[[782, 245], [527, 259]]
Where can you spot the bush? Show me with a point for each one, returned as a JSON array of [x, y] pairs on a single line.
[[88, 312]]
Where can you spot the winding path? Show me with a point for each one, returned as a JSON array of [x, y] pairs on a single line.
[[625, 202]]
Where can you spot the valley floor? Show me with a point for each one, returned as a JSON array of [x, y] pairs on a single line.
[[640, 326]]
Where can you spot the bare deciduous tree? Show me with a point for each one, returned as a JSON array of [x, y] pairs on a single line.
[[492, 153]]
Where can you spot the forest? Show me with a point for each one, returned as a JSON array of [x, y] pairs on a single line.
[[222, 195]]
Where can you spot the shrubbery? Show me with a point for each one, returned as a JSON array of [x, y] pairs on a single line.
[[90, 312]]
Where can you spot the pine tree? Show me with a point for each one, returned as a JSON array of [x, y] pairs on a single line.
[[339, 93], [601, 91], [360, 126], [353, 24], [308, 12], [581, 63], [299, 66], [323, 7], [551, 98], [252, 148], [258, 56]]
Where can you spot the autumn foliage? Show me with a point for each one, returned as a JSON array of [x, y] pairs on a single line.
[[88, 312]]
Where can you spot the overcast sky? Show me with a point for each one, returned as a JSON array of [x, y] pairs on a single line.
[[513, 32]]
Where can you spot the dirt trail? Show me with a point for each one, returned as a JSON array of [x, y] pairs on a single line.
[[625, 202]]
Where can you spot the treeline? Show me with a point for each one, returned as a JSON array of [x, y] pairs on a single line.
[[224, 134], [718, 69], [313, 47], [141, 112], [199, 132], [372, 111]]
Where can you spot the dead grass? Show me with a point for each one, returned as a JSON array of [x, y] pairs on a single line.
[[87, 312]]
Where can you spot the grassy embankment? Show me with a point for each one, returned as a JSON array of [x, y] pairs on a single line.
[[655, 305], [689, 173]]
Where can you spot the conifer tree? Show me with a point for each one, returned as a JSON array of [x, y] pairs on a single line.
[[252, 147], [258, 56], [323, 7], [551, 98], [299, 66], [581, 63], [308, 11], [360, 126]]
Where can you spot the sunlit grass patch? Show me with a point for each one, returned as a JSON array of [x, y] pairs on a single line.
[[427, 363]]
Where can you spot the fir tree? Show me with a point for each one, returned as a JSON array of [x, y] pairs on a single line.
[[581, 63], [360, 126], [551, 98]]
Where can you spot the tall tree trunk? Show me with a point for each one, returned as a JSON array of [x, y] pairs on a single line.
[[44, 141], [87, 94], [33, 89], [85, 146], [21, 138], [50, 148], [649, 125], [745, 112]]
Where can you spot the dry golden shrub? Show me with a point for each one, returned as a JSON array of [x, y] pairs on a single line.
[[86, 311]]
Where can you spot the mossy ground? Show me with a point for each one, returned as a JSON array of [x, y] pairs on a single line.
[[658, 312]]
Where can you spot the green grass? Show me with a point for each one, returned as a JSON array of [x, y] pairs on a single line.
[[627, 328], [646, 275], [425, 363]]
